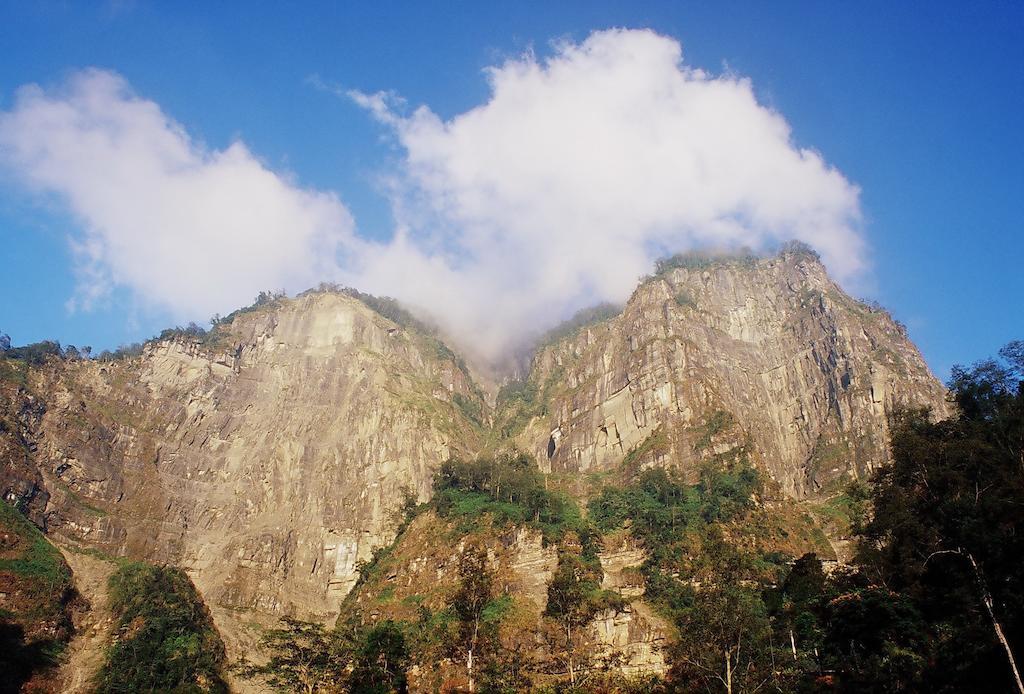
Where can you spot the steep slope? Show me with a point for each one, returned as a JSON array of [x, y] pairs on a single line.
[[272, 455], [267, 459], [713, 354]]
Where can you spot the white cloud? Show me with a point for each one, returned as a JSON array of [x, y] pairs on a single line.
[[186, 229], [581, 168], [556, 193]]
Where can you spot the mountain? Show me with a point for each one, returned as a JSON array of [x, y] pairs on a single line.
[[273, 458], [713, 354]]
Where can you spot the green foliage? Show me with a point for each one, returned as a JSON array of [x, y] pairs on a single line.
[[725, 637], [191, 331], [167, 641], [938, 561], [521, 400], [849, 508], [654, 444], [122, 353], [717, 422], [584, 318], [947, 521], [659, 507], [39, 561], [575, 597], [684, 299], [13, 371], [381, 659], [302, 656], [472, 409], [799, 248], [479, 611], [354, 657], [35, 624], [35, 354], [518, 401], [670, 517], [725, 490], [877, 639], [264, 299], [575, 594], [510, 489], [696, 260]]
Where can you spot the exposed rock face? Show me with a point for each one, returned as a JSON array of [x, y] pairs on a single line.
[[20, 480], [635, 637], [267, 464], [269, 461], [768, 353]]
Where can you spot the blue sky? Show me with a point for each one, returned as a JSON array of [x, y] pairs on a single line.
[[918, 105]]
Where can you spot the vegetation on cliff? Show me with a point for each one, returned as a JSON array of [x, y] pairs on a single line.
[[932, 602], [165, 639], [36, 593], [508, 489]]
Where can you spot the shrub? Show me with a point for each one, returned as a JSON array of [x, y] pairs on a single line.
[[511, 489], [167, 641], [584, 318]]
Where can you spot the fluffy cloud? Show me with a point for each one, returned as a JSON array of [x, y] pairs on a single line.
[[556, 193], [184, 228], [581, 168]]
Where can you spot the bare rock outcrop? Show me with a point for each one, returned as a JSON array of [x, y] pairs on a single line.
[[273, 456], [267, 461], [766, 354]]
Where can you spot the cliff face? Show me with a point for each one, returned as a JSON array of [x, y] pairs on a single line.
[[272, 457], [421, 572], [768, 354], [267, 462]]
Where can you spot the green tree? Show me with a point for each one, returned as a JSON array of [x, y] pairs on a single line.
[[381, 660], [476, 585], [947, 529], [303, 657], [575, 597], [725, 634], [167, 641]]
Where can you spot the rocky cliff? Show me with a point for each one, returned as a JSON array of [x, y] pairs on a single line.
[[712, 355], [267, 460], [271, 456]]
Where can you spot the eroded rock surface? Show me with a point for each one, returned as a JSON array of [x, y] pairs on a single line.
[[267, 464], [768, 354], [271, 460]]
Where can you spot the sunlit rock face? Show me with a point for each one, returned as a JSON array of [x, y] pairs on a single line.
[[768, 354], [268, 463], [273, 458]]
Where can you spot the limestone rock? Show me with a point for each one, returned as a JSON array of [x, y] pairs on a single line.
[[267, 463], [767, 354]]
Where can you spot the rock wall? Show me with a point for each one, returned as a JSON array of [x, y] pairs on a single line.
[[267, 463], [272, 458], [767, 354]]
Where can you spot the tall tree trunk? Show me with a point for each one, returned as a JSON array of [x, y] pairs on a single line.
[[986, 598], [569, 652], [728, 672]]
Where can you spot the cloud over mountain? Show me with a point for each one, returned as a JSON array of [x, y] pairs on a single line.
[[185, 228], [558, 192]]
